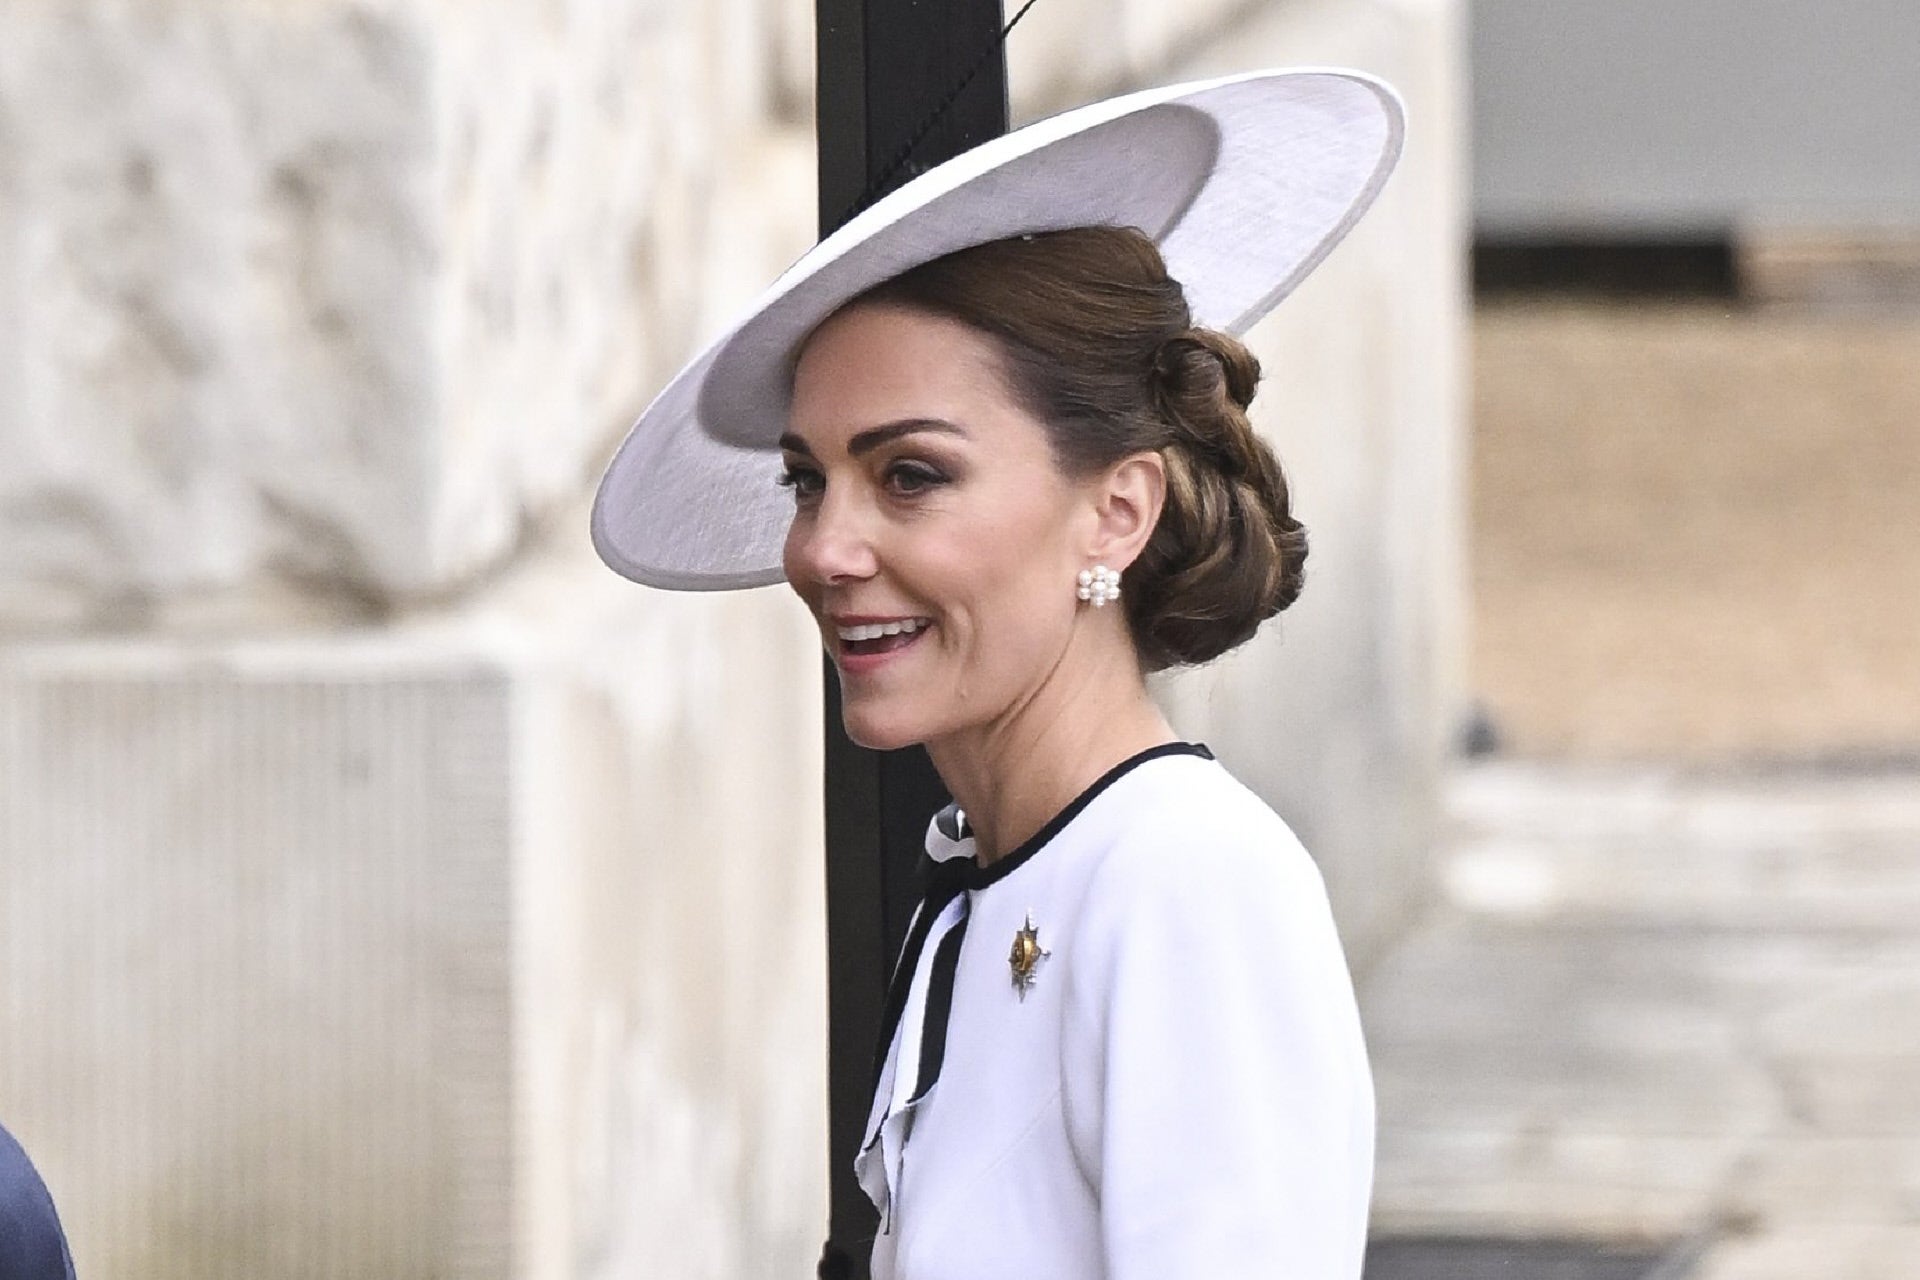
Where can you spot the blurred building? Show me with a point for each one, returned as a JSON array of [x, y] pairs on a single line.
[[1654, 121]]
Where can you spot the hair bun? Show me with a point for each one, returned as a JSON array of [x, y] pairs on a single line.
[[1228, 553], [1203, 381], [1199, 360]]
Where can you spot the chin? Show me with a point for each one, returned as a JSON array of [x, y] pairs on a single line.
[[881, 732]]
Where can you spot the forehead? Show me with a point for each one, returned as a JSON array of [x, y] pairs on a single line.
[[874, 363]]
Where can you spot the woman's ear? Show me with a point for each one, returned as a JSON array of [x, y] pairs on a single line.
[[1127, 507]]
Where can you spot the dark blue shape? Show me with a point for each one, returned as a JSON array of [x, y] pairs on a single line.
[[32, 1246]]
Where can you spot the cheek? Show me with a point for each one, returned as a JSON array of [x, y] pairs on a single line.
[[1010, 601]]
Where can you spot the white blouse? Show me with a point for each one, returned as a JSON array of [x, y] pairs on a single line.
[[1165, 1080]]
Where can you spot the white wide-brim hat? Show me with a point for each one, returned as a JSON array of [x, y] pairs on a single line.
[[1245, 182]]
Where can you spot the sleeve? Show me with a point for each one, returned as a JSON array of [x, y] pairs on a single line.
[[1216, 1078]]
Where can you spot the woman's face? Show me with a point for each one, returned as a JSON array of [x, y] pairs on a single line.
[[933, 537]]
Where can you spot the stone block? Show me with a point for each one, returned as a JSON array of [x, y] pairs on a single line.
[[1803, 1180], [1531, 843], [1790, 1251], [486, 946], [306, 310]]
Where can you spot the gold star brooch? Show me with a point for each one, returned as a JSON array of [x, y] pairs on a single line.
[[1026, 957]]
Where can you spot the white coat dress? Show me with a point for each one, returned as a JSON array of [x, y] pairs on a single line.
[[1177, 1087]]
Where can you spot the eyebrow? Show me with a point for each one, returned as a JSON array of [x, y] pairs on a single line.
[[873, 437]]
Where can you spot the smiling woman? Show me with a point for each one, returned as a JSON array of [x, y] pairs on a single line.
[[1121, 1040], [972, 434], [909, 521]]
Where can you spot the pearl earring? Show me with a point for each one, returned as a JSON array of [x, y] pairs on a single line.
[[1099, 585]]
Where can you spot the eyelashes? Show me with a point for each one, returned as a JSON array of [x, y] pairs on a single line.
[[905, 478], [914, 477], [797, 479]]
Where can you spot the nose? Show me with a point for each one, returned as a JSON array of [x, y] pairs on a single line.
[[829, 543]]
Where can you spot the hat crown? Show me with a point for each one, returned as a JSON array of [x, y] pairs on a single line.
[[1141, 170]]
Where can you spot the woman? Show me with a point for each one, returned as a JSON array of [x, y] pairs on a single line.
[[1122, 1040]]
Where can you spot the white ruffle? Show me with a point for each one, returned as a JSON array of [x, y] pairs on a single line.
[[889, 1120]]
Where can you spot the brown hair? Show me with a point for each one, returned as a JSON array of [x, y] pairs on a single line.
[[1098, 343]]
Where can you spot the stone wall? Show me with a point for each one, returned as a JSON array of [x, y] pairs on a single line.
[[385, 888], [309, 308], [388, 889]]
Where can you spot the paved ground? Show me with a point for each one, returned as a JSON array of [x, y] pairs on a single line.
[[1696, 530], [1652, 1002], [1678, 999]]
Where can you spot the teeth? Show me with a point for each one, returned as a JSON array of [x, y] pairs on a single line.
[[874, 630]]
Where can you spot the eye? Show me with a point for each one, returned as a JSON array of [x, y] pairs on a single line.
[[805, 482], [908, 478]]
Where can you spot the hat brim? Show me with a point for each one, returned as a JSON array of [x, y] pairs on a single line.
[[1245, 182]]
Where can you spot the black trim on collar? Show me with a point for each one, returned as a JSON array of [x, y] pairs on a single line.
[[979, 877], [933, 1028], [942, 890]]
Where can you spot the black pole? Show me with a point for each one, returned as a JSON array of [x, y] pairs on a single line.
[[884, 67]]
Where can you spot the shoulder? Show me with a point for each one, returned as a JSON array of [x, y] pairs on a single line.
[[1213, 1067], [1205, 923], [1199, 874], [1193, 833]]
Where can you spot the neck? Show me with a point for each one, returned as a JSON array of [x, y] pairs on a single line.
[[1013, 775]]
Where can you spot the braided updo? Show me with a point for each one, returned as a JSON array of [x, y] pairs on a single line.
[[1098, 344]]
